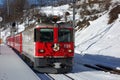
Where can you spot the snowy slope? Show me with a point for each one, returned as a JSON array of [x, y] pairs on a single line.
[[99, 42], [99, 38]]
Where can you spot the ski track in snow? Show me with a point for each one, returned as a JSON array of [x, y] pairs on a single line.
[[95, 39], [99, 36]]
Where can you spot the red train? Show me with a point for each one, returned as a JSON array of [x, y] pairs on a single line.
[[47, 48]]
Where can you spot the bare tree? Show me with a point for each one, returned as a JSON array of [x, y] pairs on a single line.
[[15, 8]]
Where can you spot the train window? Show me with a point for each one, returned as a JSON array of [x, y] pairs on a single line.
[[36, 33], [65, 35], [44, 35]]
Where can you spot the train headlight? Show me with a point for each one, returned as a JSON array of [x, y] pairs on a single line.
[[69, 50], [41, 50]]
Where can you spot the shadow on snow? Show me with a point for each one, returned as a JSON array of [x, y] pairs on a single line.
[[80, 60]]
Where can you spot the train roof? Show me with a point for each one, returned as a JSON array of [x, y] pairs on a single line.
[[60, 25]]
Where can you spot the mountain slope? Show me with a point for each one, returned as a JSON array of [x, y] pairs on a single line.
[[99, 38]]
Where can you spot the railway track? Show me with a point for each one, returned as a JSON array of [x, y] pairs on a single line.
[[69, 77], [44, 76], [54, 76], [60, 77], [50, 77]]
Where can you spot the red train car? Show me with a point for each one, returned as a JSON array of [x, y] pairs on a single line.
[[47, 48], [15, 42]]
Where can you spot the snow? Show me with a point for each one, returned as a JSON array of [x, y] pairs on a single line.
[[54, 10], [60, 11], [4, 34], [99, 43], [12, 67], [21, 27], [99, 38], [81, 72], [115, 1]]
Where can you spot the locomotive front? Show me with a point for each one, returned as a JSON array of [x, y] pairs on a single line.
[[54, 49]]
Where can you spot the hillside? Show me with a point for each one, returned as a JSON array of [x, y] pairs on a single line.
[[102, 36]]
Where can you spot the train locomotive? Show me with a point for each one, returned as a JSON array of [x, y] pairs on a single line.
[[48, 49]]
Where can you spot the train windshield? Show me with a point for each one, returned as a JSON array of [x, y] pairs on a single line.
[[65, 35], [44, 35]]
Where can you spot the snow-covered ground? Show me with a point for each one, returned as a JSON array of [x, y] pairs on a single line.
[[12, 67]]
